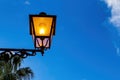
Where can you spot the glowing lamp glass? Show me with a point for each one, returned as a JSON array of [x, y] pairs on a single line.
[[42, 25], [42, 31]]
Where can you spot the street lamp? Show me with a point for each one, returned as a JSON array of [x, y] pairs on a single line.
[[42, 29]]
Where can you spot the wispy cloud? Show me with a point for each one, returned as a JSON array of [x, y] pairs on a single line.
[[117, 48], [114, 6], [118, 51], [27, 2]]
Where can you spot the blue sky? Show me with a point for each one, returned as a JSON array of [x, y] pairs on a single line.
[[87, 41]]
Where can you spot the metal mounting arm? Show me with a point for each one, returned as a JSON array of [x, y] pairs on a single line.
[[23, 53]]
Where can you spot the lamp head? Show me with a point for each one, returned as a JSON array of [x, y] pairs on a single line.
[[42, 29]]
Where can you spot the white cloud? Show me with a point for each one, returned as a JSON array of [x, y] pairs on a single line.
[[118, 51], [27, 2], [117, 47], [114, 5]]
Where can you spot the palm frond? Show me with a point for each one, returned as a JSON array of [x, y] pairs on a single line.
[[10, 68], [25, 73]]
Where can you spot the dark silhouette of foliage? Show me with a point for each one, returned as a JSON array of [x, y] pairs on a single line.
[[10, 68]]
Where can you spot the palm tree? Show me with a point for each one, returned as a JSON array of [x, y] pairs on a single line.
[[10, 68]]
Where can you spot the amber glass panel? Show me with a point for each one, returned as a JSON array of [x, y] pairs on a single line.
[[42, 25]]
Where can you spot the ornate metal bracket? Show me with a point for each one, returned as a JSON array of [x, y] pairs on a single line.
[[23, 53]]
